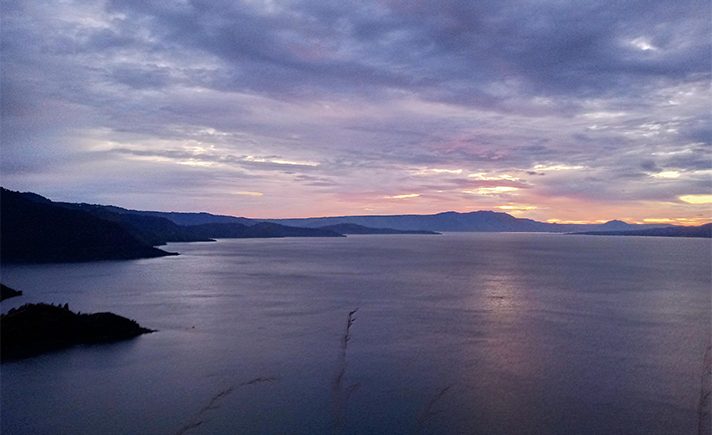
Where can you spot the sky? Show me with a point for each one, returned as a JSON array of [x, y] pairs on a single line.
[[554, 110]]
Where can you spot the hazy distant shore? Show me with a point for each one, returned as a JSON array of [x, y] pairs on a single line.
[[38, 230]]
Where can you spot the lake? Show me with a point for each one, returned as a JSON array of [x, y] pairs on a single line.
[[463, 333]]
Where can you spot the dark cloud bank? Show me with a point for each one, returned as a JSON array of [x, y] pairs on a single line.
[[348, 103]]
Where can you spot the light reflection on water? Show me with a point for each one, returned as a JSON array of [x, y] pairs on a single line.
[[460, 333]]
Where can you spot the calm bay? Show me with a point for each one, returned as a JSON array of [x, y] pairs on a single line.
[[463, 333]]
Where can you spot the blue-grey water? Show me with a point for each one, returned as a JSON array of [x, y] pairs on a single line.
[[454, 334]]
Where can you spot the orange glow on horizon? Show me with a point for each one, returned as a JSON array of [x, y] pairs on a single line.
[[677, 221], [575, 222]]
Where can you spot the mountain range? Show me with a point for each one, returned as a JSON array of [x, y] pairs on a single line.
[[477, 221], [36, 229]]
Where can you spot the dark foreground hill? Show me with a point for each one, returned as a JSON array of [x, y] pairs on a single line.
[[157, 228], [699, 231], [183, 218], [35, 229], [36, 328], [42, 231], [151, 229]]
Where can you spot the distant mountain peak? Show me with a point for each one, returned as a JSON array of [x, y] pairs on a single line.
[[615, 223]]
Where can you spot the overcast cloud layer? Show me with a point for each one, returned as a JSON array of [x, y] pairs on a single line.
[[569, 110]]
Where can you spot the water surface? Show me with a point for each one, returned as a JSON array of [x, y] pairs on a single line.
[[455, 334]]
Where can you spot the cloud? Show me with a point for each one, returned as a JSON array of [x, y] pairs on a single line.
[[492, 190], [697, 199], [666, 174], [348, 100], [484, 176], [516, 207], [405, 196], [556, 168], [439, 171]]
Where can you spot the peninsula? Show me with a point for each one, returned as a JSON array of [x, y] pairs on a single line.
[[33, 329]]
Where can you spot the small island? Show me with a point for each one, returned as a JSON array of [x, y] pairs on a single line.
[[33, 329], [7, 293]]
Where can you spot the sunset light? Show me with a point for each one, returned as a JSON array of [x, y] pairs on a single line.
[[327, 110], [697, 199], [371, 217]]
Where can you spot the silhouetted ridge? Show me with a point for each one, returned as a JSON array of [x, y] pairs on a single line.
[[699, 231], [615, 225], [182, 218], [260, 230], [477, 221], [36, 229], [33, 230], [152, 229]]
